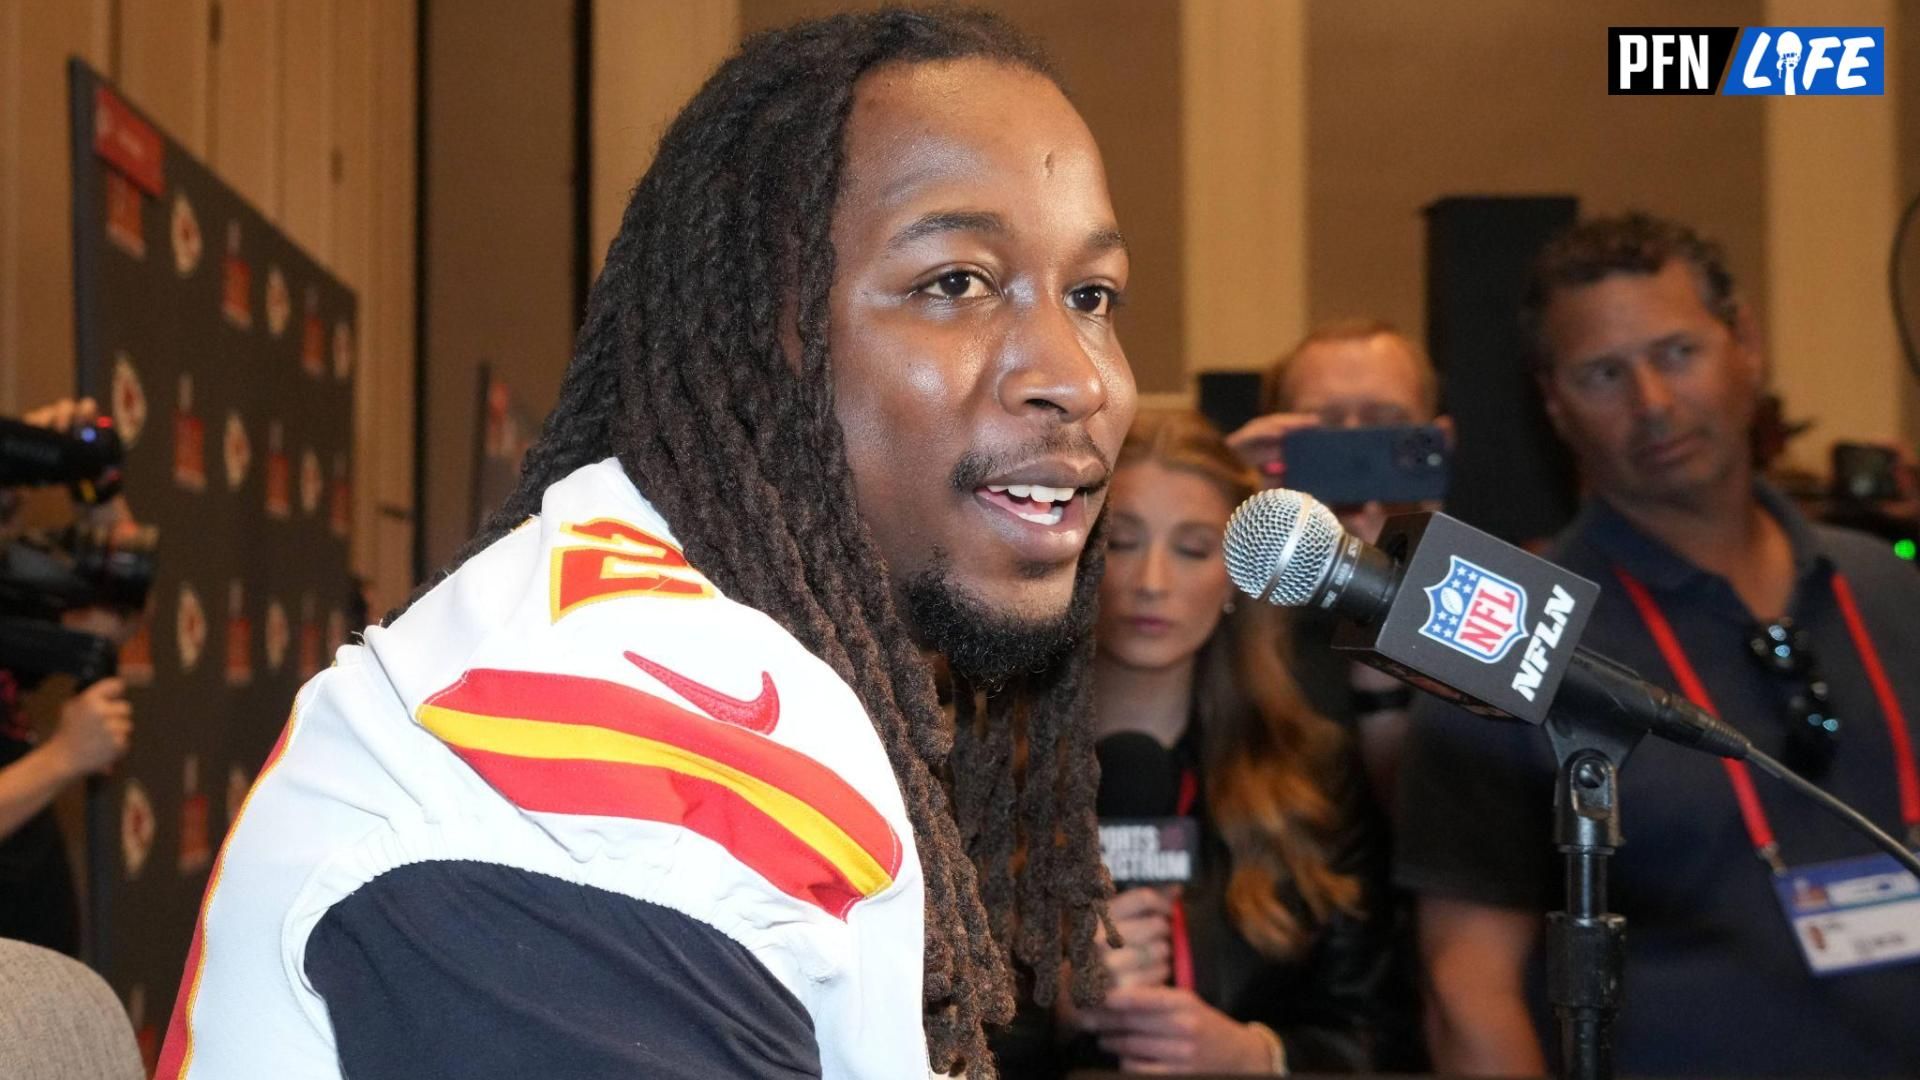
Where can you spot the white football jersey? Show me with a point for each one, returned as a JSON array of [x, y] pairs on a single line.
[[576, 701]]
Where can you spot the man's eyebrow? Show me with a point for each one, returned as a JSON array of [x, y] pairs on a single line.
[[1105, 240], [946, 221], [1628, 352]]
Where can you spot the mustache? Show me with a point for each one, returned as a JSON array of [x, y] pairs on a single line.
[[1656, 430], [975, 466]]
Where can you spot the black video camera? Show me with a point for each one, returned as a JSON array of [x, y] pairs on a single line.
[[90, 460], [44, 573]]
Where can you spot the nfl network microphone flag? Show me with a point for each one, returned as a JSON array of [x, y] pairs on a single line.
[[1475, 620], [1787, 61]]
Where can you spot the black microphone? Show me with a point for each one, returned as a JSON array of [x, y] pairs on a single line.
[[1143, 838], [1451, 610]]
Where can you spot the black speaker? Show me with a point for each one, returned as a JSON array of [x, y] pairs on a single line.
[[1229, 398], [1511, 475]]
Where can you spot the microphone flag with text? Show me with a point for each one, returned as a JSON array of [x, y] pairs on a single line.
[[1146, 836], [1460, 614]]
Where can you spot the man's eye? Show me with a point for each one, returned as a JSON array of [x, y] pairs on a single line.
[[1677, 353], [1598, 375], [956, 285], [1094, 299]]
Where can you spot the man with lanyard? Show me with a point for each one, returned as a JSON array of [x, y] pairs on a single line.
[[655, 782], [1740, 958]]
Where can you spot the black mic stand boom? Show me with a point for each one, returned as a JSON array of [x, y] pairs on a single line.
[[1586, 943]]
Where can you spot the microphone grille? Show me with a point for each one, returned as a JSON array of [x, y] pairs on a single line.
[[1280, 545]]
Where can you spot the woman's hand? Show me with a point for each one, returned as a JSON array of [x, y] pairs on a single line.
[[1164, 1029], [1144, 918], [96, 726]]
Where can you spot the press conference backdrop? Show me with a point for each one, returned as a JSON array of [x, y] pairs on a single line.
[[226, 357]]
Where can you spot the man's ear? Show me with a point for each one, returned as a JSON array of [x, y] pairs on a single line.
[[1445, 424], [1750, 345], [1550, 399]]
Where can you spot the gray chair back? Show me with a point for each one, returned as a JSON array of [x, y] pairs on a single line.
[[60, 1021]]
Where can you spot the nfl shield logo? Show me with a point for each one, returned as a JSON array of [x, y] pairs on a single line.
[[1476, 612]]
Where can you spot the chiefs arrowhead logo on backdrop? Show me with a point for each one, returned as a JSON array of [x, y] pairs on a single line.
[[186, 236], [129, 400]]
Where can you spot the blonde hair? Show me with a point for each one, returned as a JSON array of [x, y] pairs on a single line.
[[1260, 742], [1273, 386]]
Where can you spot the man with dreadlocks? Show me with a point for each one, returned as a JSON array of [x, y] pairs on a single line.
[[655, 782]]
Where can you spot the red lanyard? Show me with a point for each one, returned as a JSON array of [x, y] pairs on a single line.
[[1759, 830], [1182, 947]]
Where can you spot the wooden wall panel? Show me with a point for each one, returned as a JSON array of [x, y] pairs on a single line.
[[36, 243], [388, 315], [11, 77], [498, 232], [1832, 176], [162, 52], [1244, 112], [1903, 81], [649, 56], [349, 224], [245, 76], [305, 135], [1402, 110]]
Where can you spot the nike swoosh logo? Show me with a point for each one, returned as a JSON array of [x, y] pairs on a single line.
[[760, 714]]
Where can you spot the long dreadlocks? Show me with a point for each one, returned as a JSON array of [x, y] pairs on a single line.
[[679, 371]]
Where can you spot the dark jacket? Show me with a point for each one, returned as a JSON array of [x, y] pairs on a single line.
[[1324, 1002]]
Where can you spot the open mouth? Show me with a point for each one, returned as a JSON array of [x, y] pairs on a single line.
[[1039, 504]]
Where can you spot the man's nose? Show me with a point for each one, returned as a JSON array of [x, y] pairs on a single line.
[[1049, 369], [1652, 393]]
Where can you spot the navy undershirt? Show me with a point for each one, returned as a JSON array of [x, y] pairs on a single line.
[[475, 970]]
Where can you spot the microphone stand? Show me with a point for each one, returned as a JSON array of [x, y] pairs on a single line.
[[1586, 944]]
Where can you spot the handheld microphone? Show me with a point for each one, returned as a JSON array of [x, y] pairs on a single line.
[[1143, 838], [1467, 630]]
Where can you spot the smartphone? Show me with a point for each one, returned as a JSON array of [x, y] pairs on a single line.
[[1346, 466]]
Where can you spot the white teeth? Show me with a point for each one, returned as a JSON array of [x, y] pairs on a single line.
[[1052, 494], [1036, 492], [1051, 516]]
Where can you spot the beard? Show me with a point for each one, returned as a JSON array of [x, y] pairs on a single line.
[[989, 648]]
